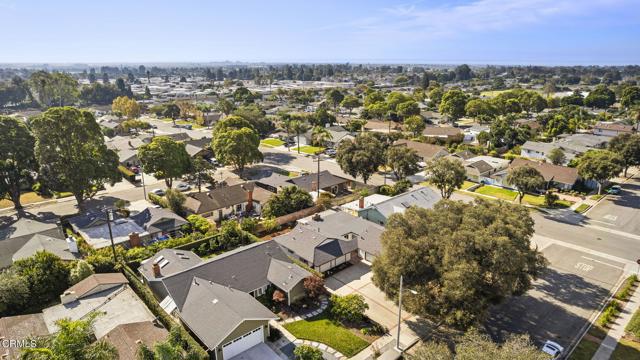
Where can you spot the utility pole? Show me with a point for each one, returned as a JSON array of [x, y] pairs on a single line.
[[400, 312], [113, 246], [318, 175]]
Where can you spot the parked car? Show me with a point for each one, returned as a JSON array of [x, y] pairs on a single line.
[[183, 187], [614, 190], [552, 348], [158, 192], [214, 162], [330, 152]]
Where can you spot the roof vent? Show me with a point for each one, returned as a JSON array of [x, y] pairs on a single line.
[[214, 301]]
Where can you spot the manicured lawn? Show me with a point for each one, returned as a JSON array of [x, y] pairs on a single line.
[[322, 330], [538, 200], [585, 350], [500, 193], [467, 184], [272, 142], [582, 208], [25, 198], [309, 149], [596, 197], [626, 349]]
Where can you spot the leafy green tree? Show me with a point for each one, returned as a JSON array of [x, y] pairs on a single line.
[[14, 301], [256, 117], [80, 271], [627, 146], [165, 158], [46, 274], [476, 346], [557, 156], [98, 94], [348, 308], [630, 96], [407, 108], [446, 174], [453, 104], [504, 133], [435, 96], [574, 99], [298, 126], [175, 201], [306, 352], [17, 159], [480, 109], [320, 136], [51, 89], [231, 235], [361, 156], [601, 97], [73, 341], [200, 172], [288, 200], [415, 124], [200, 224], [334, 97], [171, 111], [350, 102], [237, 147], [526, 179], [402, 161], [72, 154], [460, 258], [600, 166]]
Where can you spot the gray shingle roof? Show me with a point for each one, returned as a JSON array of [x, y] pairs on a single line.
[[155, 220], [326, 180], [423, 197], [39, 242], [176, 261], [219, 198], [212, 311]]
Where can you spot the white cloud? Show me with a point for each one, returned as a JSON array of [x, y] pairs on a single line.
[[477, 16]]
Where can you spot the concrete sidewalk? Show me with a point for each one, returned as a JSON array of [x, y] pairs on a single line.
[[608, 345]]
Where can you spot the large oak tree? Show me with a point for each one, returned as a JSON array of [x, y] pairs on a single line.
[[72, 154], [165, 158], [17, 158], [459, 258]]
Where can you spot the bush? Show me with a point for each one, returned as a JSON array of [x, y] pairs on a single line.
[[200, 224], [81, 271], [274, 334], [626, 289], [175, 201], [610, 313], [269, 225], [249, 225], [348, 308], [550, 199], [313, 286], [306, 352], [157, 200]]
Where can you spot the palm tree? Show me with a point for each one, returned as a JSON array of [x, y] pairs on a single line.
[[298, 127], [320, 135]]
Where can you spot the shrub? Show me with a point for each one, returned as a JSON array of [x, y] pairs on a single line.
[[550, 199], [81, 271], [175, 201], [626, 289], [279, 296], [348, 308], [314, 286], [269, 225], [200, 224], [274, 334], [249, 225], [157, 200], [610, 313], [306, 352]]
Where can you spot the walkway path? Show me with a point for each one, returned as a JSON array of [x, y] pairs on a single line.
[[608, 345]]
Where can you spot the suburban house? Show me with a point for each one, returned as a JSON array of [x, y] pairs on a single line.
[[65, 249], [109, 294], [571, 145], [127, 149], [150, 225], [338, 134], [462, 155], [556, 176], [126, 338], [612, 129], [425, 151], [164, 263], [216, 299], [442, 132], [330, 239], [199, 147], [471, 133], [480, 168], [15, 234], [354, 206], [20, 328], [423, 197], [223, 202], [328, 182]]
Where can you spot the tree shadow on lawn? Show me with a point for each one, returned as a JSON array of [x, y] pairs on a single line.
[[278, 158]]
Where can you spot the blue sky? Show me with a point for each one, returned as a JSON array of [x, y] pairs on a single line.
[[562, 32]]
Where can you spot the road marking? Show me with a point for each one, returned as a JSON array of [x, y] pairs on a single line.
[[610, 217], [602, 222], [602, 262], [584, 267], [612, 231]]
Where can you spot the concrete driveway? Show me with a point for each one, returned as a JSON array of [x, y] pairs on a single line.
[[259, 352], [357, 279]]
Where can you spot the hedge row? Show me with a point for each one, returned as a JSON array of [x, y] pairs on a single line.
[[610, 313], [147, 297], [626, 289]]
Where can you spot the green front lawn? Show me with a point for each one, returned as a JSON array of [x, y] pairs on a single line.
[[309, 149], [500, 193], [323, 330], [582, 208], [271, 142], [538, 200], [467, 184], [626, 349], [585, 350]]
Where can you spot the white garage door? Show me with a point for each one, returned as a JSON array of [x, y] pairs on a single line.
[[242, 343]]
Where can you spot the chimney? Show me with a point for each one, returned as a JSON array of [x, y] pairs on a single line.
[[156, 270], [68, 297], [72, 244], [134, 239], [361, 202], [314, 186]]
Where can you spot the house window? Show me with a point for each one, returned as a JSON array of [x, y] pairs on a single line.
[[239, 207]]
